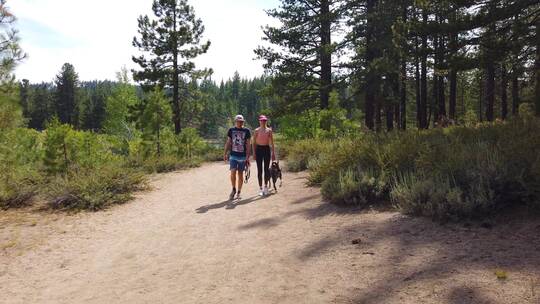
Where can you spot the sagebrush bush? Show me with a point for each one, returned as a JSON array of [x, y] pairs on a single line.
[[450, 173], [74, 169], [93, 190], [301, 152]]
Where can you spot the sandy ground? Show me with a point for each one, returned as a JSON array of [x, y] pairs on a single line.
[[183, 243]]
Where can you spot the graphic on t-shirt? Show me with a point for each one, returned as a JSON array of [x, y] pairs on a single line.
[[238, 141]]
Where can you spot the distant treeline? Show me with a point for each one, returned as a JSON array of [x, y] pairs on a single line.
[[208, 106]]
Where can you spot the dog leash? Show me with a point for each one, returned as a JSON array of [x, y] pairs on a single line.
[[248, 174]]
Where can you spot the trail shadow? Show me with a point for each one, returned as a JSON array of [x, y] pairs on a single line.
[[305, 199], [248, 201], [228, 204], [319, 210], [413, 252], [466, 295]]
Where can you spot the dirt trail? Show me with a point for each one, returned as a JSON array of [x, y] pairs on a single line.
[[182, 243]]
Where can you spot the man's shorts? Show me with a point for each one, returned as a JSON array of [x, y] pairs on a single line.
[[237, 163]]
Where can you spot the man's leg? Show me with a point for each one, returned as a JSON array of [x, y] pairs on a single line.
[[233, 178], [240, 180]]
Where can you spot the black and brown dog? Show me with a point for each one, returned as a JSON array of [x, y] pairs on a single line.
[[275, 173]]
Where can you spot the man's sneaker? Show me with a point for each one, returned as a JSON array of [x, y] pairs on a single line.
[[261, 192], [231, 196], [265, 190], [238, 195]]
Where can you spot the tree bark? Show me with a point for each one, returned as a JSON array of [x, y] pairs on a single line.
[[403, 85], [441, 107], [417, 86], [504, 93], [490, 90], [515, 94], [452, 98], [389, 117], [176, 95], [537, 67], [371, 78], [326, 54], [423, 82], [481, 99]]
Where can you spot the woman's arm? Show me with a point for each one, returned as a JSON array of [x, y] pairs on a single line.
[[271, 138]]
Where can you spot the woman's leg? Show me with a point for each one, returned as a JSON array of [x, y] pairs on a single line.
[[259, 165], [267, 155]]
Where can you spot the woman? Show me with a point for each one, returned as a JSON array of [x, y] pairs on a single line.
[[262, 142]]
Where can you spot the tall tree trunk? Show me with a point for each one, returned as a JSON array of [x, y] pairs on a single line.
[[378, 114], [389, 117], [176, 86], [504, 93], [490, 69], [515, 94], [403, 97], [326, 54], [435, 99], [371, 77], [481, 98], [490, 90], [417, 85], [424, 124], [537, 67], [441, 98], [453, 74], [403, 84]]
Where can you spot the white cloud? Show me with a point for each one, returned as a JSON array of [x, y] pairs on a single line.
[[96, 35]]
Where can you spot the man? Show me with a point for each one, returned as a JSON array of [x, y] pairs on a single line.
[[239, 145]]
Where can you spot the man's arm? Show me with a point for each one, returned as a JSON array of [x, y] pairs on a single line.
[[248, 148], [227, 148]]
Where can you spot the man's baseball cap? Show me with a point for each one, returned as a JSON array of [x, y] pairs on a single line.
[[239, 118], [263, 118]]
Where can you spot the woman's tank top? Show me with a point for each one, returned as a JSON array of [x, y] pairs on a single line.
[[263, 136]]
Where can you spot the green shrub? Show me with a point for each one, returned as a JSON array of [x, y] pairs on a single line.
[[20, 155], [169, 163], [320, 124], [302, 152], [93, 189], [450, 173]]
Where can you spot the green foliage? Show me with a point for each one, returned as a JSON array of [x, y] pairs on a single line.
[[20, 154], [327, 123], [526, 110], [453, 173], [10, 111], [154, 121], [66, 94], [93, 189]]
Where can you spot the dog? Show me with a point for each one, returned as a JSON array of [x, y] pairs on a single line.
[[275, 173]]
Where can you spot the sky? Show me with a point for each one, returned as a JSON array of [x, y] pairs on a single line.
[[96, 36]]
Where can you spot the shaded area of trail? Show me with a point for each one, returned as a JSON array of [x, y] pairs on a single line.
[[183, 242]]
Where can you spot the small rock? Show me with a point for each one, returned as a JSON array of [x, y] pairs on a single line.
[[356, 241], [486, 225], [368, 253]]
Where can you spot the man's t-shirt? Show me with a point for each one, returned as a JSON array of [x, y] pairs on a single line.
[[239, 137]]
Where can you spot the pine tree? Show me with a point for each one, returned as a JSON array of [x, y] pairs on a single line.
[[154, 119], [10, 55], [304, 58], [118, 105], [66, 98], [171, 41]]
